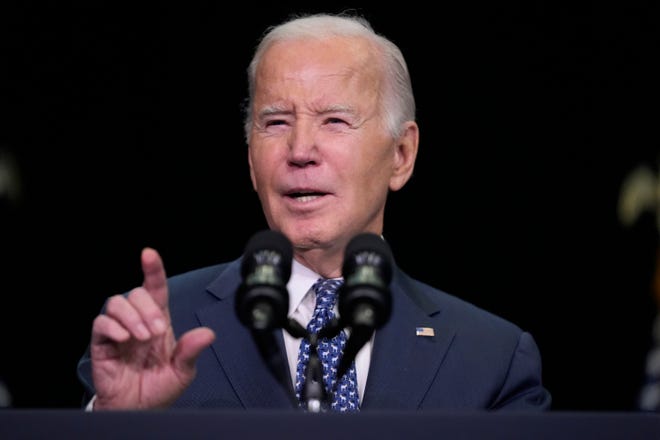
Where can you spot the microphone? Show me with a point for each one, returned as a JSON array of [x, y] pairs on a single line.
[[364, 300], [262, 299]]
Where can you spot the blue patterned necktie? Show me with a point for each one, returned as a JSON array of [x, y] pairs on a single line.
[[345, 397]]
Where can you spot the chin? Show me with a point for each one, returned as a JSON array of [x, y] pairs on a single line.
[[306, 238]]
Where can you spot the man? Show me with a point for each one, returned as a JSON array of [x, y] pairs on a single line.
[[331, 130]]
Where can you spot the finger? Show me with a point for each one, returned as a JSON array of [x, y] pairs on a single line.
[[121, 310], [155, 278], [151, 313], [189, 348], [105, 328]]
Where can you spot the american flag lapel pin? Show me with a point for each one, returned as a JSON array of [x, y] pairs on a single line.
[[424, 331]]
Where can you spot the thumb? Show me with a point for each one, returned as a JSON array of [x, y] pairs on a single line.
[[189, 347]]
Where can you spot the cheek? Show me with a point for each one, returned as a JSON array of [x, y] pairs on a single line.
[[258, 165], [259, 179], [368, 177], [377, 169], [252, 175]]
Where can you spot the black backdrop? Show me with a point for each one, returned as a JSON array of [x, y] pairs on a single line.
[[125, 126]]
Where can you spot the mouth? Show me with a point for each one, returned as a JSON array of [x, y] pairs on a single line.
[[305, 196]]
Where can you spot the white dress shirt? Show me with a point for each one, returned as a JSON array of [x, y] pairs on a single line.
[[302, 301]]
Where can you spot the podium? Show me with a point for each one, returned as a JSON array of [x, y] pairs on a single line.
[[291, 425]]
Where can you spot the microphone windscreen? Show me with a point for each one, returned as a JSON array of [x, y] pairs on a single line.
[[371, 250], [271, 247]]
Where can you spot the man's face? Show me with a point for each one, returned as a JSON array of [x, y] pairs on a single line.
[[320, 157]]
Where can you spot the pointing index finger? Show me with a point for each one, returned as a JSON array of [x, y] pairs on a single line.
[[155, 279]]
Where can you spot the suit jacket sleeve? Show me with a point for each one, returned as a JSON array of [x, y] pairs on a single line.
[[522, 388]]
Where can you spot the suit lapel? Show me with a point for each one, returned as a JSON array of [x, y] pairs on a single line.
[[237, 353], [403, 365]]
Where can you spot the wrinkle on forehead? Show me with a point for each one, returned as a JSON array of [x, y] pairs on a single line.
[[341, 74]]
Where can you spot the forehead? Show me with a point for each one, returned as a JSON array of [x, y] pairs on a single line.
[[312, 64], [349, 46]]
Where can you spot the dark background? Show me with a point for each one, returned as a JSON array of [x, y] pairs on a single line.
[[125, 126]]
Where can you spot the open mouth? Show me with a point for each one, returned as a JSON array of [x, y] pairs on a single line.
[[305, 196]]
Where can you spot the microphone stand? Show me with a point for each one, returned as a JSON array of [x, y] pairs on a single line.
[[314, 394]]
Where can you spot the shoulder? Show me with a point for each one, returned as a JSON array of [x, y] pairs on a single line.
[[204, 284], [453, 310], [201, 276]]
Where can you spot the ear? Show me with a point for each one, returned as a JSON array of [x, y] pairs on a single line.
[[254, 180], [405, 156]]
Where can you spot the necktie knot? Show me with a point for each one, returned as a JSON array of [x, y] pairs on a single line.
[[326, 297]]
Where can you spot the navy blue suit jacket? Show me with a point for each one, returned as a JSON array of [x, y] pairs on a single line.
[[475, 360]]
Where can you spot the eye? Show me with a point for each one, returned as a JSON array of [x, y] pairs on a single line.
[[275, 122], [333, 120]]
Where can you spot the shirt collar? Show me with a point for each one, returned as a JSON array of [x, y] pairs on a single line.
[[302, 279]]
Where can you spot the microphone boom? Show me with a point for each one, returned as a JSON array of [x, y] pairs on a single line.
[[365, 300]]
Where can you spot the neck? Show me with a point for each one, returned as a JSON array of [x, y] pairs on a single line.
[[325, 262]]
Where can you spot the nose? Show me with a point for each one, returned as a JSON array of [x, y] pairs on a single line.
[[303, 150]]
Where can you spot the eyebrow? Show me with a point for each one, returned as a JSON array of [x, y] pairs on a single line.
[[280, 110], [274, 110]]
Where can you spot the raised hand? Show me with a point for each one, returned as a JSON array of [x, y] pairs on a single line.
[[136, 361]]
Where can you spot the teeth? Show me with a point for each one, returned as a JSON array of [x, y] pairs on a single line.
[[306, 198]]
